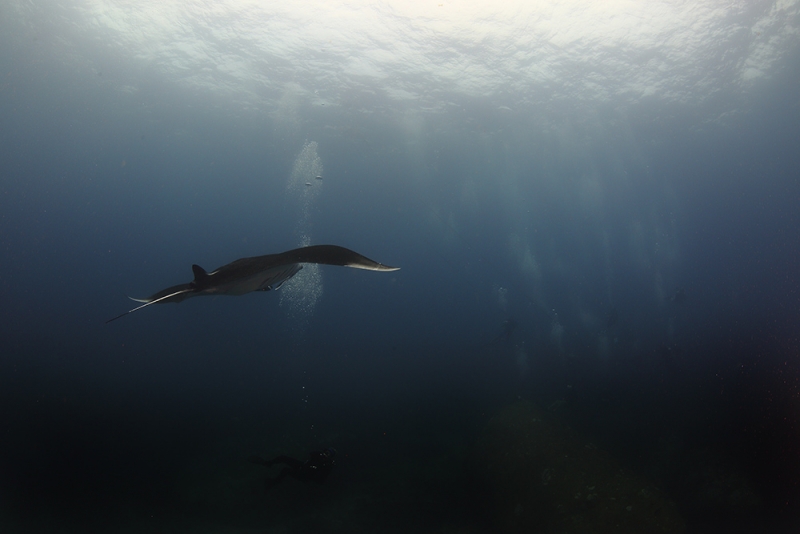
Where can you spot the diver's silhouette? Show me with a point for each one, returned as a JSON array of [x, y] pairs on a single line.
[[679, 297], [315, 469], [612, 318], [505, 334]]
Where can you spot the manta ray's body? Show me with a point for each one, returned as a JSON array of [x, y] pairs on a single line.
[[260, 273]]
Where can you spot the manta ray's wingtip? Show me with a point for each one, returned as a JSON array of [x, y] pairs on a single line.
[[372, 266]]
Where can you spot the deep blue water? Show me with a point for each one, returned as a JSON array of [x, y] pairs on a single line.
[[600, 222]]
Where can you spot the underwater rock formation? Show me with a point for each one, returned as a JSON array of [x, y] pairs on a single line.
[[534, 474]]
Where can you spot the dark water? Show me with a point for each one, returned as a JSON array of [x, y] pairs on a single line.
[[626, 265]]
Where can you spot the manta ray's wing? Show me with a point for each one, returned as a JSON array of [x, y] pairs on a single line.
[[279, 276], [177, 293], [332, 255], [243, 276]]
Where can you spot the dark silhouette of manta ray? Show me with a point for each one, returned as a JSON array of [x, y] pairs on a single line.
[[259, 273]]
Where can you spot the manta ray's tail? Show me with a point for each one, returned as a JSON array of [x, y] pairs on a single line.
[[172, 294]]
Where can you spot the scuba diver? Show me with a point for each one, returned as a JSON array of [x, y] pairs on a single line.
[[316, 468], [611, 319], [505, 334], [679, 297]]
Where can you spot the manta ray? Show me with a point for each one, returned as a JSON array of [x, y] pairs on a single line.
[[259, 273]]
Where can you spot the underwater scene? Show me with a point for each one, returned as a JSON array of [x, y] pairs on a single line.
[[466, 266]]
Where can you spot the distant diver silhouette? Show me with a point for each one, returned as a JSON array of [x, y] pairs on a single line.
[[612, 318], [315, 469], [508, 328], [679, 297]]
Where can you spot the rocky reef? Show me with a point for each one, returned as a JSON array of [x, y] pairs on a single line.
[[531, 473]]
